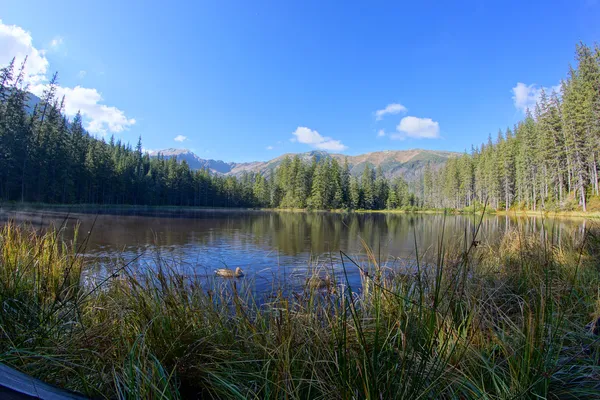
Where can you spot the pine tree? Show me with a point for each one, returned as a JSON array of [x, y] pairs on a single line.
[[428, 189], [575, 128], [336, 188], [345, 184], [392, 199], [381, 189], [318, 197], [6, 78], [367, 188], [546, 159], [355, 193]]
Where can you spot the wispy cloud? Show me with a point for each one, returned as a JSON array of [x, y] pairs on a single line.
[[81, 74], [180, 138], [56, 42], [269, 147], [313, 138], [380, 133], [390, 109], [526, 96], [417, 128], [100, 118]]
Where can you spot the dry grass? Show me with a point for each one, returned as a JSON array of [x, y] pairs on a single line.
[[482, 322]]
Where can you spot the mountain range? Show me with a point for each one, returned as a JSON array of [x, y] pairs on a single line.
[[409, 164]]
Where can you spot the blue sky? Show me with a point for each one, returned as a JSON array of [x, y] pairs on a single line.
[[242, 80]]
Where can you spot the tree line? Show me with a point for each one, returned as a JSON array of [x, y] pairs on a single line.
[[325, 184], [46, 158], [549, 160]]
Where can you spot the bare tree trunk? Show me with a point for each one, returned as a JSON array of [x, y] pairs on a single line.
[[582, 191], [534, 194], [560, 188], [505, 196], [595, 173], [23, 181]]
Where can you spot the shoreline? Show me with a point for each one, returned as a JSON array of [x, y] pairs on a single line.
[[510, 213], [95, 208]]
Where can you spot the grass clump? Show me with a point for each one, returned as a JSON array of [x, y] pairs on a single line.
[[481, 322]]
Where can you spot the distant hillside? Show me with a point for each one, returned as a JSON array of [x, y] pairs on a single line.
[[406, 163], [32, 101], [194, 161]]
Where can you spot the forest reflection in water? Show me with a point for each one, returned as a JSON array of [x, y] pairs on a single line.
[[272, 245]]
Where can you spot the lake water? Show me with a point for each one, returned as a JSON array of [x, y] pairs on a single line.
[[272, 246]]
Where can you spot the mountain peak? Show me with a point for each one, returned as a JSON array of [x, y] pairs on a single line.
[[409, 164], [170, 152]]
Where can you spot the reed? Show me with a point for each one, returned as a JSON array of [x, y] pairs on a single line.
[[481, 322]]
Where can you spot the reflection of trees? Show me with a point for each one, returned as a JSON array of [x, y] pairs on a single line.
[[318, 233]]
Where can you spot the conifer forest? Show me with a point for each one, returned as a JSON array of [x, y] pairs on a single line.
[[547, 161]]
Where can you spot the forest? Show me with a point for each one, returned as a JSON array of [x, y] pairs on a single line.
[[46, 158], [548, 161]]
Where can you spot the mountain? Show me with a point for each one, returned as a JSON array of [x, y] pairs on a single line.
[[194, 161], [408, 164], [32, 101]]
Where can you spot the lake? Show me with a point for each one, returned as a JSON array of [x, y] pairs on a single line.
[[272, 247]]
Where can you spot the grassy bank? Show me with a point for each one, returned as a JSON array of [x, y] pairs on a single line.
[[513, 213], [125, 208], [415, 210], [551, 214], [483, 323]]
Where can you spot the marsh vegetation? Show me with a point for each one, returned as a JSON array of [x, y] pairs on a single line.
[[508, 321]]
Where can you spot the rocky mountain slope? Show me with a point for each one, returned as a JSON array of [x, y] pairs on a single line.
[[406, 163]]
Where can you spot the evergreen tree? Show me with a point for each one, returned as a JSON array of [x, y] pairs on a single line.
[[548, 160], [345, 184], [355, 193], [318, 198], [367, 188]]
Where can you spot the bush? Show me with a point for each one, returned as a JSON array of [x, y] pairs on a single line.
[[593, 204]]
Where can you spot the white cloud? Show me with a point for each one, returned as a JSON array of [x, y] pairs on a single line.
[[418, 128], [81, 74], [270, 147], [314, 139], [380, 133], [180, 138], [56, 42], [18, 43], [393, 108], [526, 96], [100, 118]]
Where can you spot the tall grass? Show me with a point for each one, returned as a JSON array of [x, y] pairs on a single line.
[[508, 322]]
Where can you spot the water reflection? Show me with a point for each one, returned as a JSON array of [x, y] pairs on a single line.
[[268, 244]]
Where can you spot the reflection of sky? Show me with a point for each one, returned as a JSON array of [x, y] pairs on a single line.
[[271, 246]]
